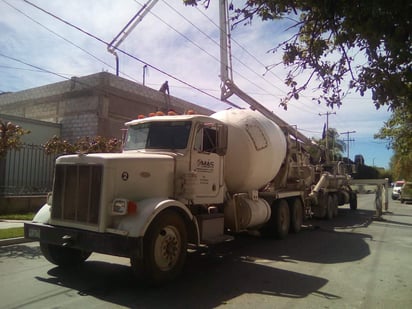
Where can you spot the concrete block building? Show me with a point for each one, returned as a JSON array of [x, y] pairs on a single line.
[[94, 105]]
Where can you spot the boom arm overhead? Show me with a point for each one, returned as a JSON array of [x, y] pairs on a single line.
[[123, 34], [228, 87]]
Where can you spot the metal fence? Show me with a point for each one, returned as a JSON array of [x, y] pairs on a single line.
[[27, 171]]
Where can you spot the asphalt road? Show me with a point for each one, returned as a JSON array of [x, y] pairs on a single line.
[[350, 262]]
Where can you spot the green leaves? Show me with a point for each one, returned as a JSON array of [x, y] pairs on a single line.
[[397, 132], [376, 33]]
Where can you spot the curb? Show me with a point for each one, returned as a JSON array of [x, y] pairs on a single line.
[[14, 241]]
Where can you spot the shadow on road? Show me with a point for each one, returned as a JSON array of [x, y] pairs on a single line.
[[20, 251], [247, 265], [207, 282]]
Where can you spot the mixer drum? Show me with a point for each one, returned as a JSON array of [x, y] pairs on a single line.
[[256, 149]]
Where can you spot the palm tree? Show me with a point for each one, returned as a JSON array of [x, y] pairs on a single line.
[[334, 147]]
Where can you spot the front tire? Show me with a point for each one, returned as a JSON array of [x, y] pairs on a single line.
[[62, 256], [164, 249]]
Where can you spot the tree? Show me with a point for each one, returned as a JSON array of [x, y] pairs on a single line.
[[10, 137], [366, 172], [401, 166], [330, 141], [367, 42], [397, 131]]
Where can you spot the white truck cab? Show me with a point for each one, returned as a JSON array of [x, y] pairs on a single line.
[[161, 192]]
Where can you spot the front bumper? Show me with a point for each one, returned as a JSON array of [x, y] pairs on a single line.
[[395, 195], [105, 243]]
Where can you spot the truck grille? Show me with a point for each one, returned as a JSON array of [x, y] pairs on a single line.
[[76, 193]]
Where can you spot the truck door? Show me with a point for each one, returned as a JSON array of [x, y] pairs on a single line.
[[207, 164]]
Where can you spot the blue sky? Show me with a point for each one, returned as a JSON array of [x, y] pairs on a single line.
[[168, 38]]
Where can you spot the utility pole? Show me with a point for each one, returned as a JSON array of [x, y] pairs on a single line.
[[348, 140], [327, 128]]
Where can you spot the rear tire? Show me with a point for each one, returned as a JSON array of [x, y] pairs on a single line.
[[330, 207], [320, 210], [164, 248], [63, 256], [281, 219], [335, 205], [353, 201], [296, 215]]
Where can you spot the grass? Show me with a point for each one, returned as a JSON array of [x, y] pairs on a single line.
[[14, 231], [28, 216], [11, 232]]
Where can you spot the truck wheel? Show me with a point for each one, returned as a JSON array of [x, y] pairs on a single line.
[[320, 210], [353, 201], [281, 219], [335, 205], [62, 256], [164, 249], [330, 207], [296, 215]]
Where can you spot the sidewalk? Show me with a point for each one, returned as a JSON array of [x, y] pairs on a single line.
[[7, 224]]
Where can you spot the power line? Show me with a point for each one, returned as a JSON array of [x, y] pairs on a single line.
[[101, 90], [34, 66], [22, 69], [145, 63], [205, 51], [124, 52], [252, 70], [58, 35]]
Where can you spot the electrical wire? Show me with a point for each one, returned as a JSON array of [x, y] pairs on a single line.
[[133, 57], [58, 35], [33, 66], [126, 53], [304, 106], [200, 47]]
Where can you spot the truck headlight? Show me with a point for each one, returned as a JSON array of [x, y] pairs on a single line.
[[121, 206]]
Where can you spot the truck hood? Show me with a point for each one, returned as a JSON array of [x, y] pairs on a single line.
[[132, 174], [106, 158]]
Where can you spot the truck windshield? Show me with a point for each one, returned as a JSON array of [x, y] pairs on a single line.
[[158, 135]]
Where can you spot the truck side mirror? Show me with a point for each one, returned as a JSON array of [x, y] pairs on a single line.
[[222, 139]]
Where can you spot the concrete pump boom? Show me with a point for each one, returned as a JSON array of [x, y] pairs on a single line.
[[123, 34], [228, 87]]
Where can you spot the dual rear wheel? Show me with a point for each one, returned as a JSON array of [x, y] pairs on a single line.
[[327, 207], [287, 216]]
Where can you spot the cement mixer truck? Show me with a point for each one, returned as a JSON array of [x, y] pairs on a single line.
[[184, 180]]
